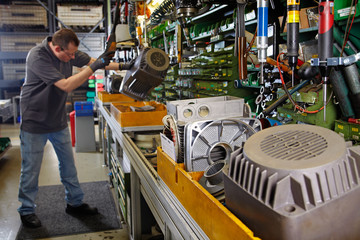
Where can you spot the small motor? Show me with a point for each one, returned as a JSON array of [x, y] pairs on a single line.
[[113, 83], [148, 71]]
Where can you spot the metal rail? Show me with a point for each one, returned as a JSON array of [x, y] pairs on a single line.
[[173, 219]]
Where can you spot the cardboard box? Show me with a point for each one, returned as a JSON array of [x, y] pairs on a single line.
[[304, 21], [313, 16]]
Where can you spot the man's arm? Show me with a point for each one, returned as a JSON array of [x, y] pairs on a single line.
[[75, 81], [111, 66]]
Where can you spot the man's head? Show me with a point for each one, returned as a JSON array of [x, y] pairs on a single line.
[[64, 44]]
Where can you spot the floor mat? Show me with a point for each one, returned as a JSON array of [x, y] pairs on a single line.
[[56, 222]]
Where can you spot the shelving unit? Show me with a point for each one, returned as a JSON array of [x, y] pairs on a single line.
[[193, 78], [133, 177], [92, 42]]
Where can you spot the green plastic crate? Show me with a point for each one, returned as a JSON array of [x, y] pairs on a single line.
[[354, 130], [90, 94], [342, 9], [4, 143], [342, 128]]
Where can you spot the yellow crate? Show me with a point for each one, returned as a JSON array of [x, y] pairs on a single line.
[[127, 118], [214, 219], [114, 97]]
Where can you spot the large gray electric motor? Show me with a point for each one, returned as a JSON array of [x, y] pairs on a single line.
[[148, 71], [296, 182]]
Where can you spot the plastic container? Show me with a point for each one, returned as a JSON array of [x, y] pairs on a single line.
[[342, 9], [83, 109], [5, 142], [114, 97], [127, 118]]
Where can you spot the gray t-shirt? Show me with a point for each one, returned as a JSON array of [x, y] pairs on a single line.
[[42, 104]]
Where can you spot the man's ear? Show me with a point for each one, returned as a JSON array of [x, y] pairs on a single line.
[[57, 48]]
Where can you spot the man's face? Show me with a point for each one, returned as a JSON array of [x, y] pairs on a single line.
[[67, 54]]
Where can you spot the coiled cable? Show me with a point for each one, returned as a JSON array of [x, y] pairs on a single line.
[[157, 15]]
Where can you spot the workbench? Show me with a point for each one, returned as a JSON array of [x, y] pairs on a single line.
[[152, 188], [172, 218]]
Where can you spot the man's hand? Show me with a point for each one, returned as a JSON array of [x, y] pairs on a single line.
[[126, 66], [102, 61]]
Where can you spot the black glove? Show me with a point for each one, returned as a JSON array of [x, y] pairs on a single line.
[[126, 66], [101, 61]]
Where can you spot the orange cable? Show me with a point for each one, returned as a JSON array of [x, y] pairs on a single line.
[[289, 96]]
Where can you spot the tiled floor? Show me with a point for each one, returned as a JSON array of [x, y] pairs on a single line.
[[90, 168]]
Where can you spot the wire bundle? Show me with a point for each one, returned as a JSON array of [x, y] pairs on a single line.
[[161, 11]]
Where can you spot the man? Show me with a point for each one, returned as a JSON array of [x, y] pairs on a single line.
[[43, 96]]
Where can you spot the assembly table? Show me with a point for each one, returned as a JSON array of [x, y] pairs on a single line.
[[172, 218]]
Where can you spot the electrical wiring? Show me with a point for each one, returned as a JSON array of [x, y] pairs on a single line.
[[347, 31], [164, 8], [252, 41], [301, 109]]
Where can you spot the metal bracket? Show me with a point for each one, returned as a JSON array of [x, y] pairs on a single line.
[[336, 61]]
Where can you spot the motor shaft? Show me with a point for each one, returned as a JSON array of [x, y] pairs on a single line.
[[293, 22], [262, 35], [325, 42]]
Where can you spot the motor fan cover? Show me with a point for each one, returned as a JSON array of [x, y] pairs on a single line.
[[296, 182], [148, 71]]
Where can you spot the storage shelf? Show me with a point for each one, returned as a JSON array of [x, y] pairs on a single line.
[[305, 30], [209, 12], [12, 55], [225, 30], [33, 33], [10, 83], [91, 42]]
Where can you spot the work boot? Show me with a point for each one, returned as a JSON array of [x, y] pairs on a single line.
[[83, 209], [30, 221]]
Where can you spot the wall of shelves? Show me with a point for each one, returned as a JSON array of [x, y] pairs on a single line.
[[210, 67], [18, 38]]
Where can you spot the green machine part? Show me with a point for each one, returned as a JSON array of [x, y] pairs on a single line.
[[312, 95]]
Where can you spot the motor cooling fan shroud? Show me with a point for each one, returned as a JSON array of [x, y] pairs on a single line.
[[148, 71], [209, 141], [296, 182]]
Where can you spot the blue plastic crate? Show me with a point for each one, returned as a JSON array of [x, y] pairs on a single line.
[[83, 109]]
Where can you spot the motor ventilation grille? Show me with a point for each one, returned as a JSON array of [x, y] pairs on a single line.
[[296, 182], [148, 71], [294, 145]]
